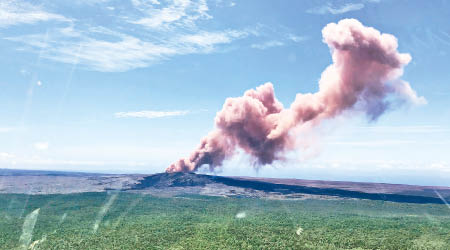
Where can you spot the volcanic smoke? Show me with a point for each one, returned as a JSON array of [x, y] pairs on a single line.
[[364, 76]]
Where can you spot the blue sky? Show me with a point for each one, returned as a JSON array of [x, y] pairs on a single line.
[[131, 86]]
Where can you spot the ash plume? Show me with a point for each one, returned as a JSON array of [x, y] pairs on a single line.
[[363, 78]]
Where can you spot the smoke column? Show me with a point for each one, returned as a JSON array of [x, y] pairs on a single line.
[[363, 78]]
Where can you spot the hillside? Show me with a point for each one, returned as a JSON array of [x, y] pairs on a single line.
[[170, 184]]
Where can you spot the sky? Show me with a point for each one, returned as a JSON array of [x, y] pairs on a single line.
[[132, 86]]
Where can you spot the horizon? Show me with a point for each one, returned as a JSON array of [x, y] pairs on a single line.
[[134, 89], [211, 174]]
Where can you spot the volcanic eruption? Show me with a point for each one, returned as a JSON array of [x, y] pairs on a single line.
[[363, 78]]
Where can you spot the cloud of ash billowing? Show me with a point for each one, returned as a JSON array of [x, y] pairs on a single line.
[[364, 77]]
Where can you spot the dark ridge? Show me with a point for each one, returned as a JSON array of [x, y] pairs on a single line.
[[174, 180], [190, 179], [289, 189]]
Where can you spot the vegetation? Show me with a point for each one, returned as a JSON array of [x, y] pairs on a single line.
[[135, 221]]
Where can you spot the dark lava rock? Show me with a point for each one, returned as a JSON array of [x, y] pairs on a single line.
[[168, 180], [163, 180]]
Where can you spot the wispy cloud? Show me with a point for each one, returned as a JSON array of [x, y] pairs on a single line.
[[335, 10], [126, 51], [148, 33], [266, 45], [150, 114], [158, 32], [13, 12], [296, 38], [178, 12], [206, 42], [208, 39], [283, 40]]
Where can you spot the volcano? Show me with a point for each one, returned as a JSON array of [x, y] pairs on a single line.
[[173, 184], [290, 188]]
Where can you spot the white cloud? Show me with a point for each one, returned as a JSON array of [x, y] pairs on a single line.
[[125, 52], [335, 10], [296, 39], [151, 32], [130, 52], [285, 39], [164, 31], [178, 12], [209, 39], [42, 146], [150, 114], [266, 45], [13, 12]]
